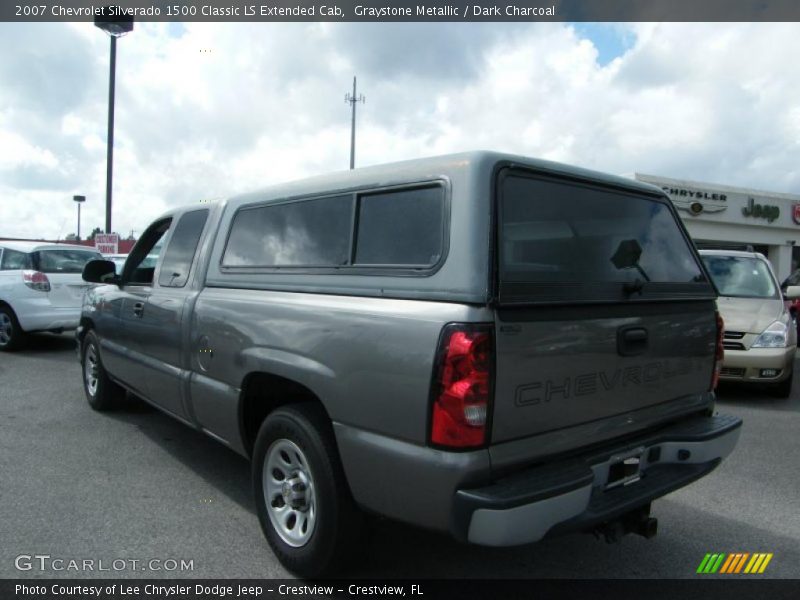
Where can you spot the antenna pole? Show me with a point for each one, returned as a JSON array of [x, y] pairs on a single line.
[[353, 100]]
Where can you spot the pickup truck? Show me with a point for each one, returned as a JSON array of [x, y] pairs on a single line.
[[486, 345]]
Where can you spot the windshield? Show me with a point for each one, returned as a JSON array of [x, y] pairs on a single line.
[[63, 261], [741, 276]]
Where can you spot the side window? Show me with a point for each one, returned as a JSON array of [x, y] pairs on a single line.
[[182, 246], [307, 233], [400, 228], [13, 260], [141, 264]]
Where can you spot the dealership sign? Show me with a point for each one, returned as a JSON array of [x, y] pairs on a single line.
[[696, 202], [107, 243], [761, 211], [796, 213]]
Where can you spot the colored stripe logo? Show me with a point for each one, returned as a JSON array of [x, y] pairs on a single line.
[[737, 562]]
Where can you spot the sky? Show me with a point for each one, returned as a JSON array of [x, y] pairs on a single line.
[[208, 110]]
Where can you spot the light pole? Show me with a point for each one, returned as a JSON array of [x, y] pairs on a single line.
[[353, 100], [114, 26], [79, 200]]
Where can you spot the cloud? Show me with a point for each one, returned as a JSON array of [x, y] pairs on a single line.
[[209, 109]]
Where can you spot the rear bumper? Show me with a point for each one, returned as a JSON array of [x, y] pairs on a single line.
[[575, 494], [37, 314], [746, 365]]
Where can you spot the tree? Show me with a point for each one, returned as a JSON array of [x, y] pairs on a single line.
[[95, 231]]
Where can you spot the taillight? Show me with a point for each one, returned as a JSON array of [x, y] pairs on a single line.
[[462, 386], [36, 280], [720, 351]]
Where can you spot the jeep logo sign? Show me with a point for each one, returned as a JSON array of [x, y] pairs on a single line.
[[761, 211]]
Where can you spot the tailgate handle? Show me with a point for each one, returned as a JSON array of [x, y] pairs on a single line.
[[631, 341]]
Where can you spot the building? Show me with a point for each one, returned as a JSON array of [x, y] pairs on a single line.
[[719, 216]]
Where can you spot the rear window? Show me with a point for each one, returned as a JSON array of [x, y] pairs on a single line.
[[63, 261], [567, 242], [741, 276]]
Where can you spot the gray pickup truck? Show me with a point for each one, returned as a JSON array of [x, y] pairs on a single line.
[[487, 345]]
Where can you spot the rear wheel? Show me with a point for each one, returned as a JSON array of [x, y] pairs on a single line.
[[303, 502], [102, 393], [11, 334], [782, 389]]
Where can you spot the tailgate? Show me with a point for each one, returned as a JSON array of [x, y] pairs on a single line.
[[603, 305], [558, 367]]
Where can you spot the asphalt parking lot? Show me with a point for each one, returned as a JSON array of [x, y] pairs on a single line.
[[136, 485]]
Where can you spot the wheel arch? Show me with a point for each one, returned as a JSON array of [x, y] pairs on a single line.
[[263, 392]]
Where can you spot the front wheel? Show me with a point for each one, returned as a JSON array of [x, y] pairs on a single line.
[[101, 393], [302, 499]]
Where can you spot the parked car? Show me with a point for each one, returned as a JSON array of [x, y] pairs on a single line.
[[793, 305], [481, 344], [40, 288], [760, 334]]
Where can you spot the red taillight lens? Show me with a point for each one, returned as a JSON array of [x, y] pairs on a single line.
[[462, 386], [36, 280], [720, 351]]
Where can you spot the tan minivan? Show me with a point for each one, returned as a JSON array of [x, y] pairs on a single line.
[[760, 335]]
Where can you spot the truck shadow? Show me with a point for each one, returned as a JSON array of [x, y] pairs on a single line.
[[37, 344], [221, 467], [754, 395], [398, 551]]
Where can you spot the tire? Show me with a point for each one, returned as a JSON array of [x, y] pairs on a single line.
[[302, 498], [782, 389], [101, 393], [11, 334]]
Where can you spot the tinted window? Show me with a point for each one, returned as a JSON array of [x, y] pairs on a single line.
[[63, 261], [400, 228], [741, 276], [181, 249], [13, 260], [572, 242], [305, 233]]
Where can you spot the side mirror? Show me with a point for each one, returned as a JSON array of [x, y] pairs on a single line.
[[792, 292], [100, 271]]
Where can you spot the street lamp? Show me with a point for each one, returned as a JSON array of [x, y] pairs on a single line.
[[79, 200], [115, 26]]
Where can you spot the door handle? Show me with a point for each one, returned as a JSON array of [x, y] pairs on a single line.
[[635, 335], [138, 309], [632, 341]]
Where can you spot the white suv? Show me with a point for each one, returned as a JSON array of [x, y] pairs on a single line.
[[41, 288]]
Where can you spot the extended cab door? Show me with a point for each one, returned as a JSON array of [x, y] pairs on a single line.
[[121, 332], [160, 327]]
